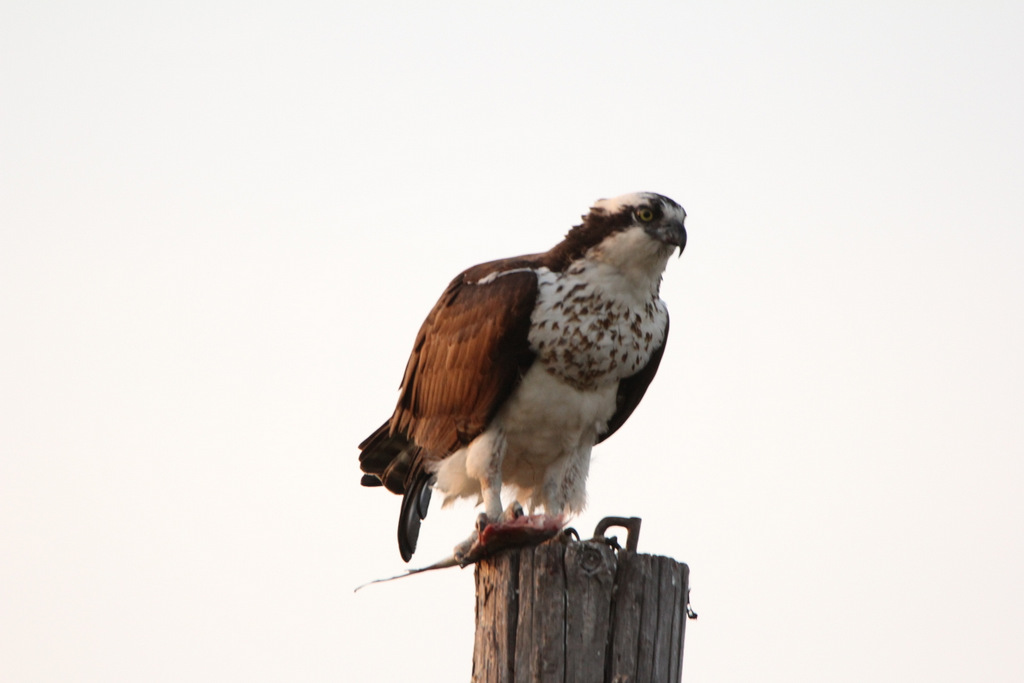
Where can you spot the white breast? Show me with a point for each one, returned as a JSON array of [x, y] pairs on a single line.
[[550, 428], [590, 328]]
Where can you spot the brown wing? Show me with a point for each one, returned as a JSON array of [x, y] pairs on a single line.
[[469, 355], [633, 388]]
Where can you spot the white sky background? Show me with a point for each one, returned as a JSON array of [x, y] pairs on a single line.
[[223, 223]]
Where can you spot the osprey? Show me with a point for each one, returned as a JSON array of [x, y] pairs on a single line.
[[525, 363]]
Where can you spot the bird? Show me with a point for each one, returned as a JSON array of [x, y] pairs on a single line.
[[524, 364]]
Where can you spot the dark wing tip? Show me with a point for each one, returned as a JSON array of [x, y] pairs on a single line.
[[371, 480], [632, 389], [415, 504]]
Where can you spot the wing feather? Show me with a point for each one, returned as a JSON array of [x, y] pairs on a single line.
[[468, 357], [469, 354]]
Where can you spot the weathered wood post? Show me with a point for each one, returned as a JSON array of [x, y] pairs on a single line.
[[580, 612]]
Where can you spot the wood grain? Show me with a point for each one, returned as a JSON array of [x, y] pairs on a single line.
[[579, 612]]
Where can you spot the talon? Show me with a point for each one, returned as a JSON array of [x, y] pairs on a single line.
[[513, 512], [463, 552]]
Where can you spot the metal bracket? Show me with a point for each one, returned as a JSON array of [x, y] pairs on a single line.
[[630, 524]]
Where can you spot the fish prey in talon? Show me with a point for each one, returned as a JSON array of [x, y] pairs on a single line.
[[490, 538], [523, 366]]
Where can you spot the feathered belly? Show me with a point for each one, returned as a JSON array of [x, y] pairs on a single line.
[[543, 436], [546, 421]]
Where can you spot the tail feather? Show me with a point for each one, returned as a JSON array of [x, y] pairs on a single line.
[[396, 462], [388, 459], [414, 510]]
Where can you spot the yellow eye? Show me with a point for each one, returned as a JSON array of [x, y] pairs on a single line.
[[645, 215]]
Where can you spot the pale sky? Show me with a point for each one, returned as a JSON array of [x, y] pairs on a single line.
[[222, 224]]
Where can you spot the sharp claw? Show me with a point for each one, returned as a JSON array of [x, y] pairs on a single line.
[[464, 551], [512, 512]]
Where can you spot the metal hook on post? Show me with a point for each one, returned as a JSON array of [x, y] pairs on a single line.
[[630, 524]]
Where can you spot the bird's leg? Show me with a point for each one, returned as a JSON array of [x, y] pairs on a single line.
[[484, 457], [497, 529], [564, 485], [483, 463], [491, 493]]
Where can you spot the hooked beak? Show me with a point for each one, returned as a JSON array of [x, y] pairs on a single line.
[[682, 239], [673, 233]]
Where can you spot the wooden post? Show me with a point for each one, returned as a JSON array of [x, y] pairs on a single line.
[[570, 611]]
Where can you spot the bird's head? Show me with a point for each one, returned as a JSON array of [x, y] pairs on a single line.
[[660, 217], [634, 232]]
